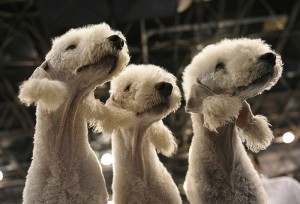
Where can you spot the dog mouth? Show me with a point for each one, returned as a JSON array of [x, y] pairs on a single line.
[[156, 109], [109, 60], [245, 91], [254, 87]]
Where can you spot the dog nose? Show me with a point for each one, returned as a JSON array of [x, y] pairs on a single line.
[[164, 88], [268, 57], [116, 41]]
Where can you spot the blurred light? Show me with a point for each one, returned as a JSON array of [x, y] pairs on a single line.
[[107, 159], [288, 137], [221, 24], [1, 175], [184, 186], [183, 5], [188, 131], [110, 202], [199, 47], [275, 24], [290, 74]]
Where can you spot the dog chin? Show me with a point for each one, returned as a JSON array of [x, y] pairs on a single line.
[[108, 61], [114, 61], [255, 87], [159, 109]]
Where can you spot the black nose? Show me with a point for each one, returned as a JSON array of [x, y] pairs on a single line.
[[116, 41], [164, 88], [268, 57]]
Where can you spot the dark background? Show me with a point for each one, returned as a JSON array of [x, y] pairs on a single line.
[[156, 33]]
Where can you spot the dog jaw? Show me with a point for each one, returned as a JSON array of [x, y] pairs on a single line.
[[99, 63]]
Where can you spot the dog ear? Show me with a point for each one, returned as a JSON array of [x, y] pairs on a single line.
[[109, 117], [162, 138], [41, 71], [253, 130], [50, 94], [218, 110], [197, 95]]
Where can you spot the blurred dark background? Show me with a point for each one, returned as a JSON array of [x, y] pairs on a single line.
[[167, 33]]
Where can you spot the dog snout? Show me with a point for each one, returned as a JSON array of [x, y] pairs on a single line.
[[268, 57], [164, 88], [116, 41]]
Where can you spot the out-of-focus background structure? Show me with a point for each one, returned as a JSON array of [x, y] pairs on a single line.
[[162, 32]]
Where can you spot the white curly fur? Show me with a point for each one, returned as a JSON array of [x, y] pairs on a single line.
[[162, 139], [158, 134], [49, 94], [256, 134], [64, 167], [114, 117], [218, 110], [139, 176], [215, 84], [233, 53]]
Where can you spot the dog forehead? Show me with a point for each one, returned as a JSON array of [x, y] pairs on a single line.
[[235, 48], [88, 33], [226, 51], [140, 75], [89, 36]]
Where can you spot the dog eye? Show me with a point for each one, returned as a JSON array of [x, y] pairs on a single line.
[[71, 47], [127, 87], [220, 66], [198, 81]]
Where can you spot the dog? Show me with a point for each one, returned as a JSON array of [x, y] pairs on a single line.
[[64, 167], [151, 94], [216, 85]]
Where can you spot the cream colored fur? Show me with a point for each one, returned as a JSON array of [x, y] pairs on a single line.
[[240, 72], [64, 167], [158, 134], [114, 117], [218, 110], [216, 85], [49, 94], [139, 176], [162, 138], [256, 132]]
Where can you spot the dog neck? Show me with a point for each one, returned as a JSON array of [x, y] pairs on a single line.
[[63, 132], [137, 149], [221, 143]]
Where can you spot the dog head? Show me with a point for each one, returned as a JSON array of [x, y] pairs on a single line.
[[146, 90], [151, 93], [220, 79], [86, 56], [238, 67]]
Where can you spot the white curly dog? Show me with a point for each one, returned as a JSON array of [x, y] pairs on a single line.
[[216, 85], [139, 177], [64, 167]]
